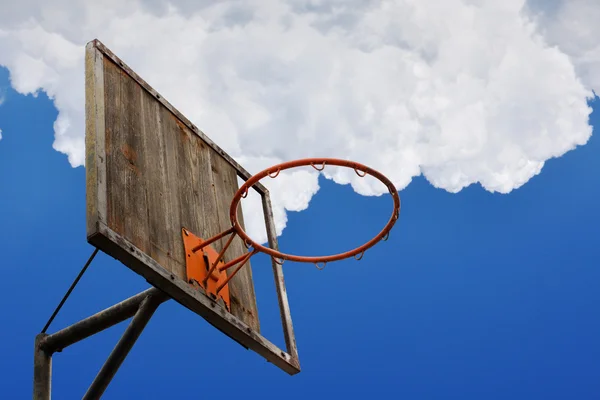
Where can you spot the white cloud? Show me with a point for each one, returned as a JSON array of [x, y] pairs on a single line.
[[462, 91], [0, 134], [572, 26]]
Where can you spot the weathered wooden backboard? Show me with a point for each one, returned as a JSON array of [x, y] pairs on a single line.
[[150, 173]]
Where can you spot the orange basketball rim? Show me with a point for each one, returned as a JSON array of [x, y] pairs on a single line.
[[277, 256]]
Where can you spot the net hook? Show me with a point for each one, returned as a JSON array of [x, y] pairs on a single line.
[[358, 173], [318, 169], [386, 237], [277, 260], [361, 256], [276, 173], [320, 268], [245, 193]]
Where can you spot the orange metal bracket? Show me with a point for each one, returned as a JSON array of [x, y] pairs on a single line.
[[199, 260]]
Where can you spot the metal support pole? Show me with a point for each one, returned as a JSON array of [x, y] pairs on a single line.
[[141, 306], [117, 356], [97, 322], [42, 370]]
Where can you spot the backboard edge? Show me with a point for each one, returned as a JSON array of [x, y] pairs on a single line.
[[119, 248], [284, 305], [96, 206]]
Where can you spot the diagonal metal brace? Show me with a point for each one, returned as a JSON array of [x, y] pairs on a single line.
[[117, 356]]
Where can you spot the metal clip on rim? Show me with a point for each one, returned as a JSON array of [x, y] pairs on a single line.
[[358, 173], [387, 236], [277, 261], [320, 268], [318, 169]]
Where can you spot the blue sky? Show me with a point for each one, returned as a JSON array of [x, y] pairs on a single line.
[[475, 295]]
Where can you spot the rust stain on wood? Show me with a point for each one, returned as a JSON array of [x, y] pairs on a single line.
[[129, 153], [131, 157]]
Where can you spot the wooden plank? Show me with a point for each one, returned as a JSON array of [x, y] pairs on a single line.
[[284, 306], [94, 139], [241, 286], [189, 175], [112, 243], [127, 203], [243, 283], [162, 216]]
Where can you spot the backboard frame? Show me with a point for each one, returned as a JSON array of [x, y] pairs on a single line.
[[100, 235]]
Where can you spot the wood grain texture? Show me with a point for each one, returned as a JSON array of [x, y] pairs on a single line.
[[241, 287], [151, 172], [241, 171], [94, 143], [160, 177]]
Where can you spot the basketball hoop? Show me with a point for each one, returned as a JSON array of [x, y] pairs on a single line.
[[217, 266], [318, 164]]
